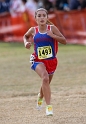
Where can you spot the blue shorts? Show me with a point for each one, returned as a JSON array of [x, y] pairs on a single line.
[[34, 64]]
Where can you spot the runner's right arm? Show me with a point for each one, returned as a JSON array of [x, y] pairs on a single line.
[[26, 37]]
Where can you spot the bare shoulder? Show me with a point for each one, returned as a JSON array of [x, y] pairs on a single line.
[[31, 31], [54, 28]]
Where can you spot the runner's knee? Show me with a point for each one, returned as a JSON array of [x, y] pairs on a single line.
[[45, 79]]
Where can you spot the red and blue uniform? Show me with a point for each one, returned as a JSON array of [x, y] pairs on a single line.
[[45, 49]]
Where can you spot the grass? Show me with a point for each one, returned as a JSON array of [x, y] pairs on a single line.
[[16, 77]]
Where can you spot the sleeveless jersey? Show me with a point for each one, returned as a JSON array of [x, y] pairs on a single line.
[[45, 47]]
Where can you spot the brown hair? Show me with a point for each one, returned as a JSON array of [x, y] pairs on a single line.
[[40, 10], [48, 21]]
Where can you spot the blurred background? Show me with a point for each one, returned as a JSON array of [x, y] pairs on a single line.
[[19, 85], [17, 16]]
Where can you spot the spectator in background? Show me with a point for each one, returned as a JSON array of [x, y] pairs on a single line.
[[83, 4], [4, 7], [74, 4], [32, 6], [40, 4], [24, 1], [16, 7], [48, 5], [62, 5], [53, 2], [70, 4], [77, 4]]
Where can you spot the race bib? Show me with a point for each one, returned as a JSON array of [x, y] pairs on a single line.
[[44, 52]]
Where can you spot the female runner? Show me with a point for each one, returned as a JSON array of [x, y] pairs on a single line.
[[44, 62]]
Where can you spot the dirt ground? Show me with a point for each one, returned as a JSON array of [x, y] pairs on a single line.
[[69, 108]]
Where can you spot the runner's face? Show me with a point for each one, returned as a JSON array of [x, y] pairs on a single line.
[[41, 17]]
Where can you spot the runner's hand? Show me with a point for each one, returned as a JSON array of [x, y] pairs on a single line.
[[28, 45], [50, 33]]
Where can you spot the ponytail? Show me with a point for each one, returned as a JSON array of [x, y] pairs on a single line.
[[49, 22]]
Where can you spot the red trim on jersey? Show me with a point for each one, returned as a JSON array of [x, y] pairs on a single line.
[[56, 46], [36, 29], [48, 27]]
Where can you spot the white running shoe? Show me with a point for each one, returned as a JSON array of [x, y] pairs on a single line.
[[49, 110], [39, 102]]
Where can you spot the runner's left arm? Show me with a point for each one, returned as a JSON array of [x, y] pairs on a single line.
[[56, 34]]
